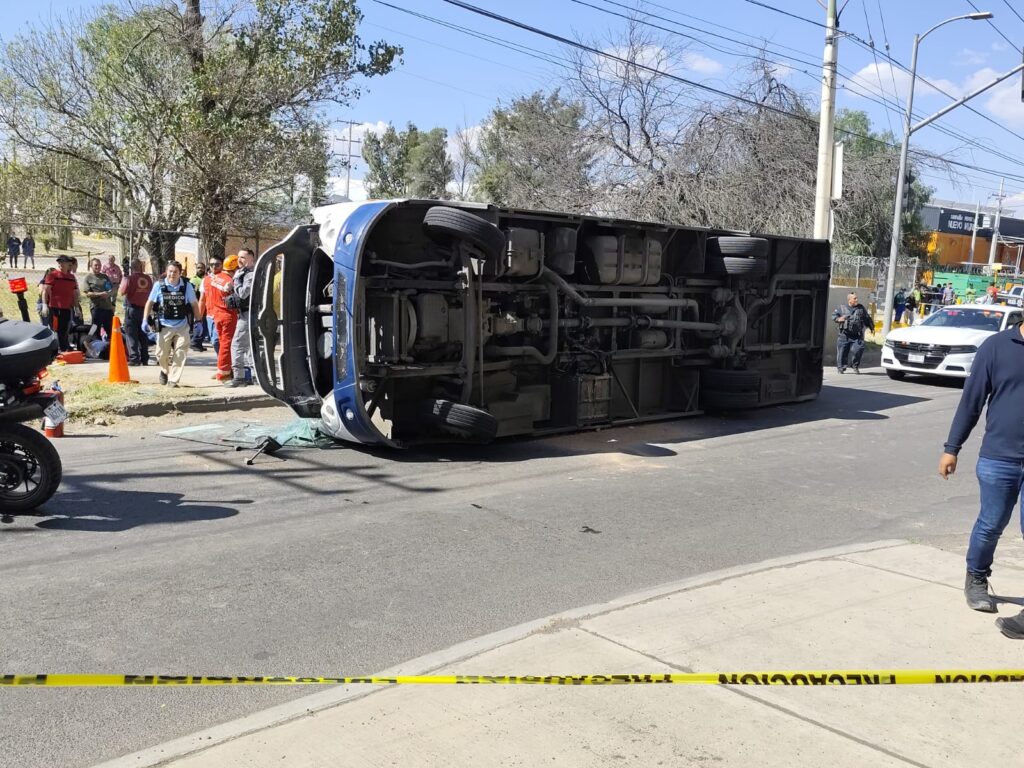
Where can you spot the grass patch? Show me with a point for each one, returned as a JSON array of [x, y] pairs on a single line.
[[88, 398]]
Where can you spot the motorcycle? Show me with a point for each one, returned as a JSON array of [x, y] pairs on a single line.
[[30, 467]]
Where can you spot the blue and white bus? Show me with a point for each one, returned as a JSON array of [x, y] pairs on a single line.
[[406, 321]]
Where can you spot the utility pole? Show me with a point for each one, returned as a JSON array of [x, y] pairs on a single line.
[[974, 229], [995, 228], [826, 125], [348, 162], [909, 129]]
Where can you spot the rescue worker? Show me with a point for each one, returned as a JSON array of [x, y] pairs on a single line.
[[136, 288], [239, 299], [215, 286], [173, 295], [853, 320]]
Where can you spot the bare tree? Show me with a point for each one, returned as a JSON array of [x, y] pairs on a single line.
[[463, 160], [637, 115]]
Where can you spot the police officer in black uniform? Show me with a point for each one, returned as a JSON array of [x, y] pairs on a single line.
[[853, 321]]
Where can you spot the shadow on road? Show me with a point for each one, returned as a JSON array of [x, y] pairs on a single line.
[[107, 501], [84, 506], [845, 403]]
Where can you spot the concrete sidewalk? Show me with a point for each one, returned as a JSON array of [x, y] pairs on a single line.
[[892, 605], [198, 390]]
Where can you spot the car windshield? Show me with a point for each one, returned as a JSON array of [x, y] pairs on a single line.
[[975, 319]]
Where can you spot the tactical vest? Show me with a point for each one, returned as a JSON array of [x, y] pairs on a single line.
[[172, 300]]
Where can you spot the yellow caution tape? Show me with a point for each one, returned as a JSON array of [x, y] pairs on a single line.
[[811, 677]]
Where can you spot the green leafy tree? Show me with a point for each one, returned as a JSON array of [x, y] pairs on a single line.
[[190, 115], [387, 160], [429, 168], [535, 153], [410, 162]]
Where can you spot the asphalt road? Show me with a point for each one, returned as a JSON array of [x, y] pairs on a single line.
[[164, 556]]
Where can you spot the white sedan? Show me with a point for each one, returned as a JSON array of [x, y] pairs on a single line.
[[944, 343]]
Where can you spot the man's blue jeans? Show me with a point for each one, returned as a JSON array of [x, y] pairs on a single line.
[[1002, 484], [849, 346]]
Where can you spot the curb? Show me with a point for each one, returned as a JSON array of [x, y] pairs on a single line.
[[166, 753], [197, 405]]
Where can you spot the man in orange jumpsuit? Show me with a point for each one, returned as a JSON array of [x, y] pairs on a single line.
[[216, 285]]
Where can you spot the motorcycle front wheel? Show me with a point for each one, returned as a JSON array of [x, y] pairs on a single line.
[[30, 468]]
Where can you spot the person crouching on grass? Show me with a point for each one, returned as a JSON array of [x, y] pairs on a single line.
[[173, 294]]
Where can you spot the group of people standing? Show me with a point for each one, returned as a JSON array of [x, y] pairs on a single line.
[[17, 247], [169, 311], [173, 307], [61, 295]]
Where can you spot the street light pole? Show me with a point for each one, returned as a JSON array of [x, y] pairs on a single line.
[[826, 139], [901, 178], [994, 247]]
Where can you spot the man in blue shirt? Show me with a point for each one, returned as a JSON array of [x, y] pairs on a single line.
[[996, 380], [173, 295]]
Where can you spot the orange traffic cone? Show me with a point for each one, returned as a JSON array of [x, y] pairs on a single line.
[[118, 356]]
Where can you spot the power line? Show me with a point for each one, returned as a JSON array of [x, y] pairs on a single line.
[[845, 72], [878, 67], [722, 26], [997, 29], [636, 65], [885, 37], [699, 40], [1014, 10], [526, 50], [503, 64], [932, 85], [786, 13]]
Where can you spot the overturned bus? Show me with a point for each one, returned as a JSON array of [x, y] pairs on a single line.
[[408, 321]]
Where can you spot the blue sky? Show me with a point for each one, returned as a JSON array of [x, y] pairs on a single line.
[[451, 78]]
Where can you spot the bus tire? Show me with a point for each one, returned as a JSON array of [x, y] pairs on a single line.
[[444, 222], [458, 419]]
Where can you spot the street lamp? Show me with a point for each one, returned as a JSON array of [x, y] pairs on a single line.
[[908, 129]]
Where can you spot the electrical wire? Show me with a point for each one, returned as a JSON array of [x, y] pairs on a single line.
[[699, 40], [634, 64], [878, 67], [722, 26], [526, 50], [786, 13], [888, 52], [997, 29], [1014, 10], [968, 107], [845, 72]]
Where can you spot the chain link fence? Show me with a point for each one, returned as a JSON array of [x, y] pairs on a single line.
[[868, 274]]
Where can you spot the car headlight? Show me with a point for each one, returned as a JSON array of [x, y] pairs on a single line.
[[961, 350], [890, 343]]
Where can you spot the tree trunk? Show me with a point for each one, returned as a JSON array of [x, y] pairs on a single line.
[[213, 227], [212, 215], [160, 246]]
